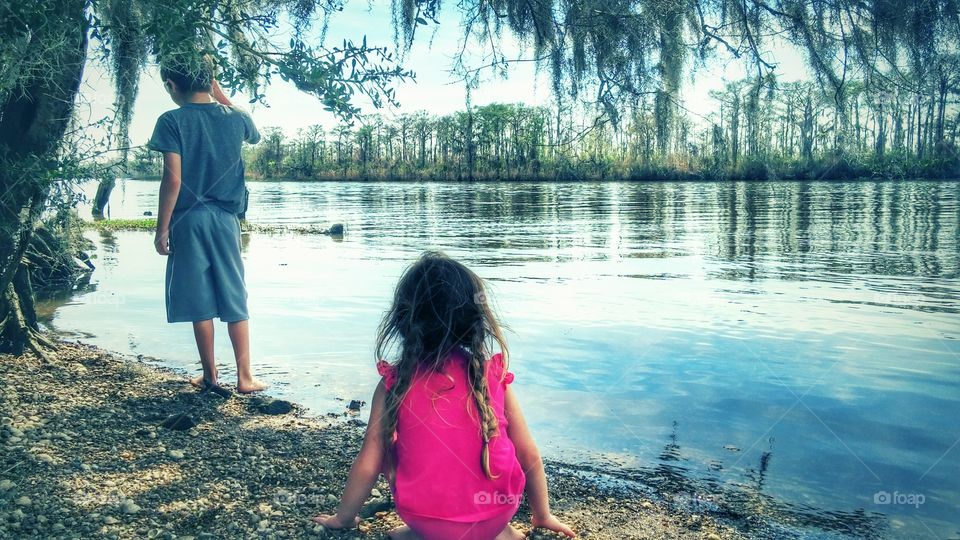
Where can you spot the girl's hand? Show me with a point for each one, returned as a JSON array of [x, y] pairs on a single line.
[[334, 522], [552, 523]]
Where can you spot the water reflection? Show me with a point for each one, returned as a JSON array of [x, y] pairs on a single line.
[[876, 228], [811, 326], [730, 500]]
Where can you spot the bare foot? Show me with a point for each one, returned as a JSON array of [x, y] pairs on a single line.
[[403, 533], [249, 386], [509, 533], [198, 381]]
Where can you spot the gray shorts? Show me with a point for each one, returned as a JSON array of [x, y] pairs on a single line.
[[204, 268]]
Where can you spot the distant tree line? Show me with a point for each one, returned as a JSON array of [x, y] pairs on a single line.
[[760, 129]]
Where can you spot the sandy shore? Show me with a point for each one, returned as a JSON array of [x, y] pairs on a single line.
[[83, 454]]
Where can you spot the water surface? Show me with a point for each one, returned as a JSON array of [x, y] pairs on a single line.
[[792, 347]]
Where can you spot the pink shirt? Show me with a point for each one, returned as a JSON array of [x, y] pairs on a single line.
[[438, 445]]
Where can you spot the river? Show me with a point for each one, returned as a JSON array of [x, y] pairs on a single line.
[[790, 346]]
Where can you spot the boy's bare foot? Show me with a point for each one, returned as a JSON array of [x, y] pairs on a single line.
[[204, 385], [198, 381], [509, 533], [249, 386], [403, 533]]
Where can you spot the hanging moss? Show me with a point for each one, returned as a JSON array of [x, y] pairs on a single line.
[[128, 54]]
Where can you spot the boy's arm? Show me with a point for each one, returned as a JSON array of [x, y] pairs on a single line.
[[529, 457], [218, 94], [365, 470], [169, 191], [251, 134]]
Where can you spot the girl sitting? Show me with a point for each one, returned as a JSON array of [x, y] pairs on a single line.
[[445, 428]]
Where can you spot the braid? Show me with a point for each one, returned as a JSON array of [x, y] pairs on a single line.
[[393, 399], [489, 426], [388, 422]]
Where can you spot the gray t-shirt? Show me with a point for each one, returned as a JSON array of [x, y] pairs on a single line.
[[208, 137]]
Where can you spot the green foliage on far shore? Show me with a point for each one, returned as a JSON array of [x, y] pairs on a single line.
[[790, 131]]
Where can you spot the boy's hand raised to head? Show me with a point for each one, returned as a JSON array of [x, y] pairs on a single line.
[[218, 94]]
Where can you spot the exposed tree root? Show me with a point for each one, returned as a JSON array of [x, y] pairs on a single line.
[[19, 330]]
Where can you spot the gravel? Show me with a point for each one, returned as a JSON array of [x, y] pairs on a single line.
[[83, 454]]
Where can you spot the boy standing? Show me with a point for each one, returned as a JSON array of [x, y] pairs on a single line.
[[201, 193]]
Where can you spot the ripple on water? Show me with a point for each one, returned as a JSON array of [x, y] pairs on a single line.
[[810, 325]]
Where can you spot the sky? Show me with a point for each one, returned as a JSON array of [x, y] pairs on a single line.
[[434, 89]]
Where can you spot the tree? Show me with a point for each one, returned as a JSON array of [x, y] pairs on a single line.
[[44, 51], [43, 55]]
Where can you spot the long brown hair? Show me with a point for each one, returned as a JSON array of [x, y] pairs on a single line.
[[439, 306]]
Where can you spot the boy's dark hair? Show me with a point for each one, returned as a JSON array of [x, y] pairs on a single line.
[[190, 76]]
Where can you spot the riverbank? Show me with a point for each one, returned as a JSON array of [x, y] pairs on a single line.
[[753, 173], [85, 454]]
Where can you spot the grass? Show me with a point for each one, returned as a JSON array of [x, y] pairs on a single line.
[[150, 224], [142, 224]]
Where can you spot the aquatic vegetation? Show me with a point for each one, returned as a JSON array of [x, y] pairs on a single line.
[[150, 224], [145, 224]]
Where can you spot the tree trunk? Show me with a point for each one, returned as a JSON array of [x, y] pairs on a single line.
[[909, 134], [102, 197], [471, 146], [806, 130], [956, 128], [33, 120], [735, 128], [941, 110], [919, 127], [880, 142], [897, 125], [20, 331]]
